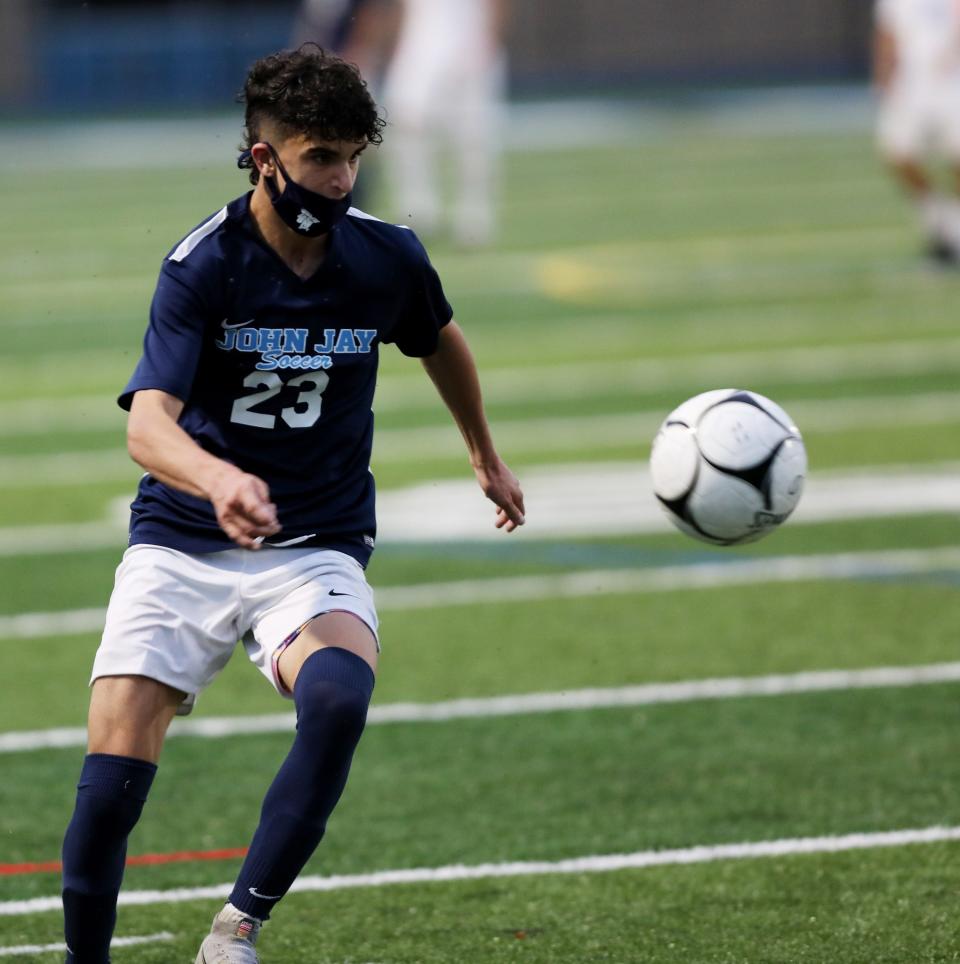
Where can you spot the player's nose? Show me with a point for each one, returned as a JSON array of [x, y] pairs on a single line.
[[342, 180]]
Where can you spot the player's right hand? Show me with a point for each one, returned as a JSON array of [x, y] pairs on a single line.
[[244, 510]]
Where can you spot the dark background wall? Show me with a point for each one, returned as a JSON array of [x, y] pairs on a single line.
[[696, 39], [115, 54]]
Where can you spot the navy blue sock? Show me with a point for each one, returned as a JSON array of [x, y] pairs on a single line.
[[332, 693], [110, 797]]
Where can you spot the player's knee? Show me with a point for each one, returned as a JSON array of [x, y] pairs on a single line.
[[332, 712], [332, 694]]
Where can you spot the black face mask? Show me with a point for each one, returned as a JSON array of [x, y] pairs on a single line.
[[308, 213]]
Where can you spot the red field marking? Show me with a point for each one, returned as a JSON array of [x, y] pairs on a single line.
[[142, 860]]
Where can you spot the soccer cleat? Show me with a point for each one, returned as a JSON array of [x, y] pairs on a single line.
[[941, 252], [231, 939]]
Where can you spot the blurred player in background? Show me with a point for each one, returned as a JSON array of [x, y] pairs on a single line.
[[250, 411], [917, 72], [444, 88], [361, 32]]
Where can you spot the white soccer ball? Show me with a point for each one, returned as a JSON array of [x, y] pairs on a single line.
[[728, 466]]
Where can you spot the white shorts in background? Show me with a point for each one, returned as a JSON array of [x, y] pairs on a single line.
[[918, 116], [176, 617]]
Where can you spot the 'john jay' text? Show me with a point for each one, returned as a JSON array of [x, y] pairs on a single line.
[[290, 347]]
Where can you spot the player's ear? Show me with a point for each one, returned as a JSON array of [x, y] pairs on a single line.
[[263, 158]]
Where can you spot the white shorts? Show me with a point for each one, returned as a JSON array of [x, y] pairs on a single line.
[[920, 116], [176, 617]]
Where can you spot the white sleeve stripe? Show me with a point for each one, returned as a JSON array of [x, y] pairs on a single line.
[[357, 213], [195, 237]]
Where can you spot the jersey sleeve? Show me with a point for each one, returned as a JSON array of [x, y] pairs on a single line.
[[425, 311], [171, 346]]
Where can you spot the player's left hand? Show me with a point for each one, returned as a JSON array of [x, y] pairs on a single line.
[[502, 488]]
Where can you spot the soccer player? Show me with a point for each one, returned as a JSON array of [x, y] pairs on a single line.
[[361, 32], [917, 73], [250, 411], [444, 89]]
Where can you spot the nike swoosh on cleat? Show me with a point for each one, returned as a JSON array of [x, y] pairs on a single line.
[[239, 324], [256, 893]]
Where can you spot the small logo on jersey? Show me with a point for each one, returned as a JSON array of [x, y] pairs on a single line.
[[240, 324], [333, 592], [305, 220], [256, 893], [369, 541]]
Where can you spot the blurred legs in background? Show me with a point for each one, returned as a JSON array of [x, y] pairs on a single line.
[[362, 32], [443, 93], [903, 135], [916, 68]]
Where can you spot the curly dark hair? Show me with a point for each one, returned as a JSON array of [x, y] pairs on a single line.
[[307, 91]]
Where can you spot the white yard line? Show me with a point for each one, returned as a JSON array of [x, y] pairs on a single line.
[[535, 126], [533, 703], [684, 577], [73, 413], [560, 434], [538, 383], [23, 950], [55, 540], [602, 863], [573, 433], [613, 498], [616, 499], [594, 582], [556, 124], [65, 469], [68, 622]]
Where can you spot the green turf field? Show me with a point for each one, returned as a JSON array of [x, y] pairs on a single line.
[[628, 277]]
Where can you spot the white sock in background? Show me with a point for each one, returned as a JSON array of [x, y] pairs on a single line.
[[939, 216], [950, 222], [932, 209]]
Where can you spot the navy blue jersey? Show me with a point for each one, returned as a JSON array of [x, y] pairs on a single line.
[[277, 373]]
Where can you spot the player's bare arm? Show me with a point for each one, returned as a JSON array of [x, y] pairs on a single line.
[[499, 17], [452, 369], [884, 58], [156, 442]]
